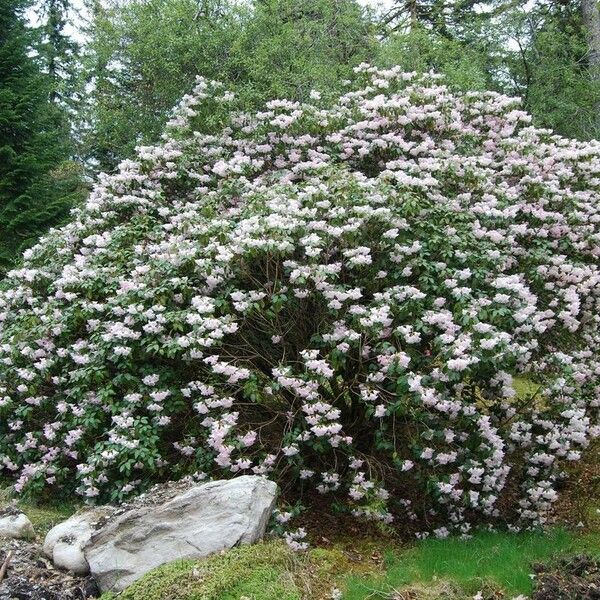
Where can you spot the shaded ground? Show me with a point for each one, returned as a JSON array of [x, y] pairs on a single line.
[[573, 578], [579, 500]]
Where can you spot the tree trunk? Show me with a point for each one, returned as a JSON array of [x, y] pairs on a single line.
[[414, 18], [591, 21]]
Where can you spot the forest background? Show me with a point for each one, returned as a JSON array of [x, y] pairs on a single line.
[[81, 84]]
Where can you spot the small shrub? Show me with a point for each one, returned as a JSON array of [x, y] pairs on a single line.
[[337, 293]]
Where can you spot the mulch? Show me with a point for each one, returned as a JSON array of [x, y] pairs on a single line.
[[31, 576]]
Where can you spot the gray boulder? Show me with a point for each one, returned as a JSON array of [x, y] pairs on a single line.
[[206, 518], [15, 524], [64, 543]]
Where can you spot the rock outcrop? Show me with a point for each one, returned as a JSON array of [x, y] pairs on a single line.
[[204, 519]]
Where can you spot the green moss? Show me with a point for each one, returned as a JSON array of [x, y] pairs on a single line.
[[525, 386], [266, 571], [259, 572], [265, 583], [328, 561]]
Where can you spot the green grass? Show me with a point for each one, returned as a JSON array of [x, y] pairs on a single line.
[[501, 559]]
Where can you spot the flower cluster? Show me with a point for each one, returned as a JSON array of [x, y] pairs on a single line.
[[347, 294]]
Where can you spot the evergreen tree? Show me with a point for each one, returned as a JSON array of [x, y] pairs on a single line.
[[591, 22], [37, 187], [408, 15], [439, 35], [443, 17], [58, 50]]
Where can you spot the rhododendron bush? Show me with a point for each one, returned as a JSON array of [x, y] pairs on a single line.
[[337, 295]]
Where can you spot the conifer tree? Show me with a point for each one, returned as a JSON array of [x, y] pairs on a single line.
[[58, 50], [37, 187]]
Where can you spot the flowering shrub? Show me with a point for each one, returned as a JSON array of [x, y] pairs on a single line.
[[338, 292]]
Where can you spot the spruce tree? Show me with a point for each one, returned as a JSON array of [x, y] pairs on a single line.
[[59, 51], [37, 186]]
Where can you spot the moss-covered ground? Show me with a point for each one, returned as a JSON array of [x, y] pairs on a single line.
[[268, 570]]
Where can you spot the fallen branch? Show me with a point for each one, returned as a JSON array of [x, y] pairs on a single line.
[[4, 566]]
